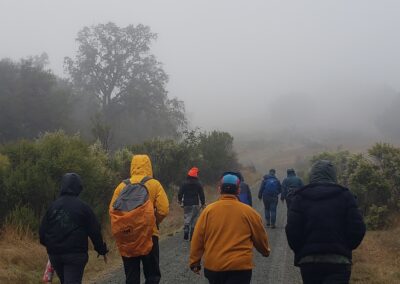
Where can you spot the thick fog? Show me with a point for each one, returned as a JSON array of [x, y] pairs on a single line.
[[244, 66]]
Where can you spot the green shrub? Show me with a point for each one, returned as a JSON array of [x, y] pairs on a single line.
[[377, 217], [23, 218]]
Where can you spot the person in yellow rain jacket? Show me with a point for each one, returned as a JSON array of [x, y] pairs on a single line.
[[225, 234], [141, 167]]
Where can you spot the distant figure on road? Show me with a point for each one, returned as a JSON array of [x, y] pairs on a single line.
[[245, 192], [141, 181], [270, 188], [324, 225], [289, 186], [65, 229], [190, 192], [225, 234]]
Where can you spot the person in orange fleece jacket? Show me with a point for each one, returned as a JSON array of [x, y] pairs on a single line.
[[225, 234]]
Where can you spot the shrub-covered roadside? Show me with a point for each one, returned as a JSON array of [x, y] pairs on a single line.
[[373, 177], [31, 170]]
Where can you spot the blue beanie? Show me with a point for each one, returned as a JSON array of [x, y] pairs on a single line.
[[230, 183]]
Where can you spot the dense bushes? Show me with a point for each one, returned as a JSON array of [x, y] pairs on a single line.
[[31, 171], [373, 178]]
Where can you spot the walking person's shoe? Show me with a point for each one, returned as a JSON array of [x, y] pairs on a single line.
[[273, 226], [268, 225], [186, 236]]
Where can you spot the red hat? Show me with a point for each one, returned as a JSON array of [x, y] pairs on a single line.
[[193, 172]]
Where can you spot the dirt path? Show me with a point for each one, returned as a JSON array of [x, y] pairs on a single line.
[[277, 268]]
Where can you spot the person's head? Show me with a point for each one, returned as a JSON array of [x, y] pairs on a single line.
[[71, 184], [290, 172], [272, 172], [193, 173], [323, 171], [230, 184]]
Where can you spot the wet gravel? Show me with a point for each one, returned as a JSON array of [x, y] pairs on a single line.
[[275, 269]]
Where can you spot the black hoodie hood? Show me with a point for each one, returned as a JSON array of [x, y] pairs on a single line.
[[71, 184], [323, 171], [291, 173]]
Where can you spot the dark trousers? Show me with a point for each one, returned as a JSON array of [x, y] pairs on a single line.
[[151, 266], [69, 267], [324, 273], [228, 277], [270, 205]]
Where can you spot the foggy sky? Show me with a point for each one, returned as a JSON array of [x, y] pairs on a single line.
[[240, 65]]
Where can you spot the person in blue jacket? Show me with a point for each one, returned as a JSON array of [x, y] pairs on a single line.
[[270, 188], [245, 192]]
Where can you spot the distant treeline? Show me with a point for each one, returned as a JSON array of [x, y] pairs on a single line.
[[115, 92], [31, 170], [373, 177]]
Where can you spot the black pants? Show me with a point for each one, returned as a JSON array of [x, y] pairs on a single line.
[[151, 266], [228, 277], [321, 273], [69, 267]]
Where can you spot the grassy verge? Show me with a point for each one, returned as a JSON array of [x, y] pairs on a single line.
[[377, 260]]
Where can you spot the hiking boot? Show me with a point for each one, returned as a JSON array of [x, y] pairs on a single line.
[[186, 236], [268, 225], [273, 226]]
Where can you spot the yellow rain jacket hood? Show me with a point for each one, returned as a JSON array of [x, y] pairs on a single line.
[[140, 168]]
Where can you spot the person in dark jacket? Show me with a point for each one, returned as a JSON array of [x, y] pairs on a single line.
[[324, 225], [65, 229], [270, 189], [189, 194], [289, 186], [245, 192]]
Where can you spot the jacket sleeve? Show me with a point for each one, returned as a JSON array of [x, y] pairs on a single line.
[[201, 195], [180, 193], [295, 225], [260, 191], [94, 232], [250, 197], [161, 203], [197, 243], [259, 235], [355, 226], [279, 187], [43, 229], [284, 189]]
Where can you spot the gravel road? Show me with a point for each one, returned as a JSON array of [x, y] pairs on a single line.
[[277, 268]]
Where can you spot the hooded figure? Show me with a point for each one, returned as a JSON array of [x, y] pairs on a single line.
[[190, 192], [270, 188], [140, 168], [65, 229], [290, 185], [324, 225], [245, 192]]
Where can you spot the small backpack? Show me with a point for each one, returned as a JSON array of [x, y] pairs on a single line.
[[133, 219], [271, 187]]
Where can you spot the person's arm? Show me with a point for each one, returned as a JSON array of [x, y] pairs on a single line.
[[43, 229], [295, 225], [260, 191], [355, 226], [201, 195], [94, 231], [180, 194], [284, 189], [197, 243], [161, 203], [250, 197], [259, 236]]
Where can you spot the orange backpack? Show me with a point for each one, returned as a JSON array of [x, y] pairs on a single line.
[[133, 219]]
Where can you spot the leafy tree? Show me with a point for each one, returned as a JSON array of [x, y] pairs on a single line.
[[115, 65], [32, 99]]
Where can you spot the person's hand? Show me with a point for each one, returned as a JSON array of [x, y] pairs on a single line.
[[196, 268], [180, 204]]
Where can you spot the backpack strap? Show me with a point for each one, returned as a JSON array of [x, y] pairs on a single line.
[[145, 179], [127, 181]]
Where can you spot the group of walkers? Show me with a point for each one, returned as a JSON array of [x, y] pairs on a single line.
[[323, 225]]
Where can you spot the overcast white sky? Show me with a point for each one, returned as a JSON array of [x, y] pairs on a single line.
[[232, 61]]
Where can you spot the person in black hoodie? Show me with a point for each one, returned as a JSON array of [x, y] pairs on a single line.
[[190, 192], [324, 225], [65, 229]]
